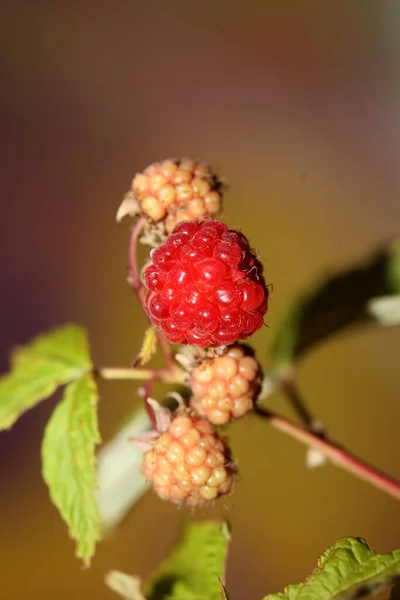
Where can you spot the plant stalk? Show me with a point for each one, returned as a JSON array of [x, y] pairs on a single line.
[[336, 454], [175, 375]]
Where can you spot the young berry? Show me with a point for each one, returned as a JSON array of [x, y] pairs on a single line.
[[226, 387], [188, 463], [205, 285], [175, 190]]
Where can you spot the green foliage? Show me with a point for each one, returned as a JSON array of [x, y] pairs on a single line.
[[346, 571], [148, 349], [56, 358], [335, 303], [50, 360], [196, 565], [193, 570], [68, 457]]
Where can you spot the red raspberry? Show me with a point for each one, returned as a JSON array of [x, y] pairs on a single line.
[[205, 285], [189, 463], [177, 190], [226, 387]]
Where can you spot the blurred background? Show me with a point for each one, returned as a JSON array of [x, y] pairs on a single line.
[[297, 105]]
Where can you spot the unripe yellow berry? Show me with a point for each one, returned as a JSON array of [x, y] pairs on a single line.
[[175, 190], [189, 464], [226, 387]]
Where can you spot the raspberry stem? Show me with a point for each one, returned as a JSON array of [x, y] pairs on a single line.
[[175, 375], [138, 288], [336, 454]]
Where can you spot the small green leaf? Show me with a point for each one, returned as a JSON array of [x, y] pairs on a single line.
[[148, 349], [124, 585], [50, 360], [68, 459], [335, 303], [195, 565], [346, 571]]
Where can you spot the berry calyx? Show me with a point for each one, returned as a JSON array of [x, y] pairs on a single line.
[[174, 190], [188, 463], [205, 285], [226, 387]]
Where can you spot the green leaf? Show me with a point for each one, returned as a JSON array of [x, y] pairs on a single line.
[[50, 360], [68, 459], [334, 304], [346, 571], [194, 570], [195, 565], [119, 481], [148, 349]]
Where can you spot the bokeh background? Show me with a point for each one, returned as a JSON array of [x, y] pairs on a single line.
[[297, 105]]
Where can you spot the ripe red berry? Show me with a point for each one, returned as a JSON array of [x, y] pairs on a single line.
[[205, 285], [189, 463], [175, 190], [226, 387]]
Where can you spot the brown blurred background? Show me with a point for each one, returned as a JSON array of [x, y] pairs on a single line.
[[297, 105]]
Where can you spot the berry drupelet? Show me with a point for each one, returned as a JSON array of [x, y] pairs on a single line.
[[226, 387], [205, 285], [177, 190], [189, 463]]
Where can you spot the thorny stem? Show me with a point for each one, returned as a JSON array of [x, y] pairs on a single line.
[[337, 455], [138, 288]]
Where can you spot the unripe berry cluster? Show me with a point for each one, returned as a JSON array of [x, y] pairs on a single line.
[[177, 190], [189, 463], [205, 290], [226, 387]]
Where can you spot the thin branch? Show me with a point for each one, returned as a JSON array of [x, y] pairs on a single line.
[[336, 454], [134, 275], [123, 373], [175, 376]]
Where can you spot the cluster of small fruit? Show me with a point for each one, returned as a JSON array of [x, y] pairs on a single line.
[[205, 289]]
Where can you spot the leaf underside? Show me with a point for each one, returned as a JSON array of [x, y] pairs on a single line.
[[119, 481]]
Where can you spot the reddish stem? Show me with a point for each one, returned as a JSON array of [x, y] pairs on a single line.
[[147, 393], [337, 455], [138, 287]]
